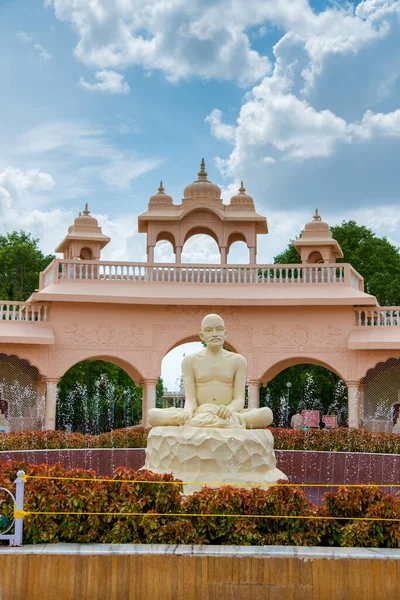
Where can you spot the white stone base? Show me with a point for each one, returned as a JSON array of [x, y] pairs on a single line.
[[213, 456]]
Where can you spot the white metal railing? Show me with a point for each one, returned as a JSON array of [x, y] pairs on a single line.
[[78, 270], [387, 316], [17, 522], [23, 311]]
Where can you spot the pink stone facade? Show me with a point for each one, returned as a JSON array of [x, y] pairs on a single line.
[[133, 314]]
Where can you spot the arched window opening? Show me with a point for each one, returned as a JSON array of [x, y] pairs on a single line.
[[201, 249], [315, 257], [305, 387], [86, 254], [239, 253], [95, 396]]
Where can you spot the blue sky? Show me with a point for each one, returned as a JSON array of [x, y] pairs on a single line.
[[100, 100]]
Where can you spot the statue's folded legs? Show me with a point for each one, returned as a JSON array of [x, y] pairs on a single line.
[[254, 418]]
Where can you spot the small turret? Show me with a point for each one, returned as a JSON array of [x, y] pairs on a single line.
[[316, 244]]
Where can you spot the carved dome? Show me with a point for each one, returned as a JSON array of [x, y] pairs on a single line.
[[161, 197], [242, 198], [202, 188], [84, 220], [317, 224]]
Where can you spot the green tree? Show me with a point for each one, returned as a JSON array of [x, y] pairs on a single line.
[[21, 261], [376, 259]]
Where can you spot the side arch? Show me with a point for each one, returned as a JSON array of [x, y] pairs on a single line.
[[167, 236], [34, 356], [236, 236], [130, 369], [274, 370], [375, 360]]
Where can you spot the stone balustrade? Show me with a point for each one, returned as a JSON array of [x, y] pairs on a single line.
[[294, 274], [23, 311], [386, 316]]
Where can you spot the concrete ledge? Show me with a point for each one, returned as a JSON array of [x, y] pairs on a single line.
[[301, 552]]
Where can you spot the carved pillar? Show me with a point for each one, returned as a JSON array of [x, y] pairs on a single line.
[[223, 255], [253, 256], [150, 254], [149, 398], [254, 393], [51, 401], [361, 389], [353, 403], [178, 254]]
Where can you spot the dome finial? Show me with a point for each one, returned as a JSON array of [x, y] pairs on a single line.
[[86, 211], [161, 188], [242, 189], [316, 217], [202, 173]]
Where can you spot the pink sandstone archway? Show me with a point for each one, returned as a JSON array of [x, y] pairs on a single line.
[[133, 313]]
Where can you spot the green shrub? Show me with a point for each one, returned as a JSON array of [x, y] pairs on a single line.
[[282, 500]]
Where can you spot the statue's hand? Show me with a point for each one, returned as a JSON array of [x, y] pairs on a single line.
[[182, 417], [223, 412]]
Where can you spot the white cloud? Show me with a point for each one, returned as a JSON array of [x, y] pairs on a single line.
[[19, 182], [179, 37], [278, 121], [209, 39], [108, 81], [219, 129], [43, 53], [26, 38]]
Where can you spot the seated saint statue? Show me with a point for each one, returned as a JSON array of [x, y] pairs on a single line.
[[214, 380]]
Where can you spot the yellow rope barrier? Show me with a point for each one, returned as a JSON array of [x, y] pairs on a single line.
[[25, 477], [138, 514]]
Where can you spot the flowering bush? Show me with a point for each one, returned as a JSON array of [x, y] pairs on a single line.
[[88, 496], [341, 439]]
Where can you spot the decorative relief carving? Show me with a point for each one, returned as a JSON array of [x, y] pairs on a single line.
[[201, 216], [301, 336], [103, 335]]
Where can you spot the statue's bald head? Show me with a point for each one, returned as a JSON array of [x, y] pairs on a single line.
[[212, 320]]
